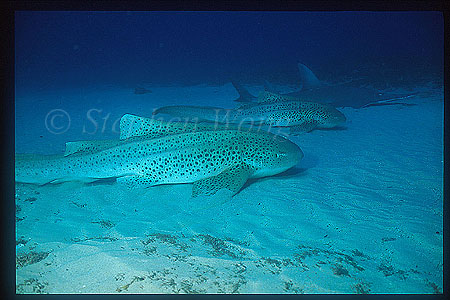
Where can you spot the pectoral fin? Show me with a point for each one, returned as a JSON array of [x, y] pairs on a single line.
[[232, 179]]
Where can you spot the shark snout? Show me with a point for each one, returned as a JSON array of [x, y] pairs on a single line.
[[292, 154], [335, 118], [340, 118], [296, 156]]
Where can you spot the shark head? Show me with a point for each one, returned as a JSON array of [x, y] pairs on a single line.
[[270, 154], [330, 117]]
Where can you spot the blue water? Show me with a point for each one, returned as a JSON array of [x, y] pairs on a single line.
[[74, 49], [361, 213]]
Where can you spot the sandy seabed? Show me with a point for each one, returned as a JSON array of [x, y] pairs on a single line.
[[361, 213]]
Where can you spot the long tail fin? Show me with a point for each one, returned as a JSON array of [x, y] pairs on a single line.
[[308, 79], [244, 95]]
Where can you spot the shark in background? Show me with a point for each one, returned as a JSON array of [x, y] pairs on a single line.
[[297, 116], [152, 152], [338, 95]]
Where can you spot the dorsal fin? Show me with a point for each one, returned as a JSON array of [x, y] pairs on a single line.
[[307, 77], [244, 94], [87, 147], [132, 126]]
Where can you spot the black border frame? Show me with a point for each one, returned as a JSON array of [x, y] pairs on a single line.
[[7, 9]]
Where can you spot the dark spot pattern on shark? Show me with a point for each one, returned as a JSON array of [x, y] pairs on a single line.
[[227, 157], [270, 111]]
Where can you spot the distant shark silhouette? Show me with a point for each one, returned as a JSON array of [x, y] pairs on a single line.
[[312, 89], [141, 91]]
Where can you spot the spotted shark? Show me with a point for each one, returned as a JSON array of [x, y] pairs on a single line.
[[210, 159], [339, 95], [297, 116]]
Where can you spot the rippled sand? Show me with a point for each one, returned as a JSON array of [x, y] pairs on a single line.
[[362, 213]]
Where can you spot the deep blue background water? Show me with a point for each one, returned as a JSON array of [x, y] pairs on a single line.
[[73, 49]]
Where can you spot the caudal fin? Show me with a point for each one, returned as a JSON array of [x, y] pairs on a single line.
[[244, 94], [307, 77]]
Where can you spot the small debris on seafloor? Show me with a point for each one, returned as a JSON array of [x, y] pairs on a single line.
[[388, 239], [78, 204], [340, 270], [31, 199], [105, 223], [25, 259], [436, 289], [361, 288], [104, 238], [32, 285], [22, 241], [356, 252], [126, 286]]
